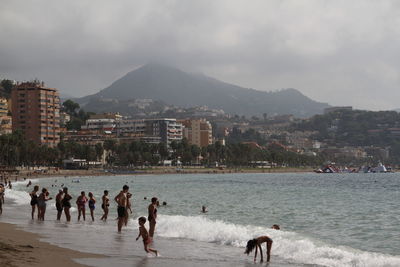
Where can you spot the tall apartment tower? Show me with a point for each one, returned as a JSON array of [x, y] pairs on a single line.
[[36, 111], [198, 132], [167, 129]]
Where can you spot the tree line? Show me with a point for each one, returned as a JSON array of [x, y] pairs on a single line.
[[17, 151]]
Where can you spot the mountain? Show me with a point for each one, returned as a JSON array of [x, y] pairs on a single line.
[[175, 87]]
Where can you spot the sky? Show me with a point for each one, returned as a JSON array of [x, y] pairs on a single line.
[[340, 52]]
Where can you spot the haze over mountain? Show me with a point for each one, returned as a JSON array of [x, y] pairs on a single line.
[[175, 87]]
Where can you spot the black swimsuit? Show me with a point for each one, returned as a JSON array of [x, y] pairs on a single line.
[[91, 204], [34, 200], [65, 202]]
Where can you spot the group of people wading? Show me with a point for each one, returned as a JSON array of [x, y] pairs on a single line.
[[63, 204]]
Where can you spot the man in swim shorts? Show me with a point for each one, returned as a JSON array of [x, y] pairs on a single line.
[[122, 202]]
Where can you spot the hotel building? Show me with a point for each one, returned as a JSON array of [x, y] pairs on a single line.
[[36, 111], [198, 132]]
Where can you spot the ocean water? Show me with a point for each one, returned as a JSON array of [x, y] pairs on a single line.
[[325, 219]]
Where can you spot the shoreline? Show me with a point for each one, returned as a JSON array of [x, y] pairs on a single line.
[[30, 174], [20, 248]]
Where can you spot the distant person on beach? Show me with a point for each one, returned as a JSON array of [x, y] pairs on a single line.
[[105, 205], [92, 202], [9, 184], [145, 235], [59, 206], [41, 202], [34, 200], [256, 243], [3, 193], [29, 183], [122, 201], [81, 204], [1, 198], [128, 208], [204, 209], [66, 204], [152, 209]]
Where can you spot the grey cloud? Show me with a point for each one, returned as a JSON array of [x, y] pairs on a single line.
[[340, 52]]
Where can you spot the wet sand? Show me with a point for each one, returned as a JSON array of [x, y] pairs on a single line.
[[19, 248]]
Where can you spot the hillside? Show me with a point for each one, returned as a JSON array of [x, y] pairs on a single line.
[[175, 87], [354, 128]]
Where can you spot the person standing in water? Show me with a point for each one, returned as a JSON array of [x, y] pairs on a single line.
[[81, 203], [256, 243], [34, 201], [59, 207], [145, 235], [105, 205], [92, 202], [42, 199], [66, 204], [122, 201], [128, 208], [152, 216]]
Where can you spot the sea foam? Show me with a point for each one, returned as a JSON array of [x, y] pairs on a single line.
[[288, 245]]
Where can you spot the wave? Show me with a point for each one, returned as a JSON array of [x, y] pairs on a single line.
[[290, 246], [19, 197], [23, 198]]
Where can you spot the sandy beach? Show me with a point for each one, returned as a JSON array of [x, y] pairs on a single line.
[[20, 248]]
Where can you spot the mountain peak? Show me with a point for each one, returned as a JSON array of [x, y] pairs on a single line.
[[168, 84]]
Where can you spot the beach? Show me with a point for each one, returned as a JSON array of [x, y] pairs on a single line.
[[21, 248], [326, 220]]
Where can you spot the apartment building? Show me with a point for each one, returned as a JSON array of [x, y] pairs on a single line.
[[198, 132], [3, 107], [151, 131], [36, 111], [167, 129], [5, 119]]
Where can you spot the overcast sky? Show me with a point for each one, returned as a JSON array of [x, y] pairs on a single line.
[[340, 52]]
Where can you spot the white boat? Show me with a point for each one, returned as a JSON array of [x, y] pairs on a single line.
[[379, 168]]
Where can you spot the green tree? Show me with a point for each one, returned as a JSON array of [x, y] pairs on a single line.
[[71, 107]]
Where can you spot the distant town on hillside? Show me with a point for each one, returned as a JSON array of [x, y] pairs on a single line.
[[38, 128]]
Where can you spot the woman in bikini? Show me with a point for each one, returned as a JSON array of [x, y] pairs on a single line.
[[81, 203], [105, 205], [34, 200], [152, 216], [256, 243]]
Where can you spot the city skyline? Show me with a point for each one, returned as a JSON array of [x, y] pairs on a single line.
[[336, 52]]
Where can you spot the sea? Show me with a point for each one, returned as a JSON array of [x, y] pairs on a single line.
[[326, 219]]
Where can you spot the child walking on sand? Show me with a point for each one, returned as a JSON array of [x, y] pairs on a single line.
[[145, 235]]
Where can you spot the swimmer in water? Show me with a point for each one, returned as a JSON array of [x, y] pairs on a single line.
[[276, 227], [256, 243]]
